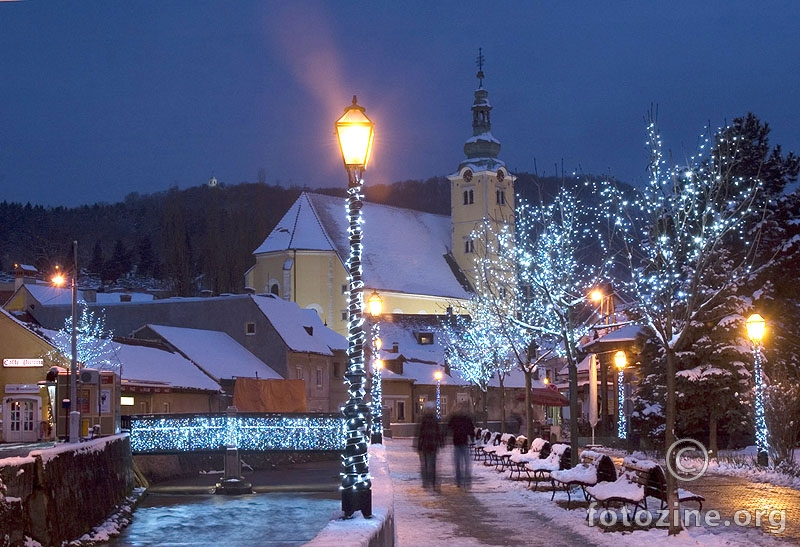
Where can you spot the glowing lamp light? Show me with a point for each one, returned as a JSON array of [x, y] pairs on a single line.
[[546, 381], [756, 326], [620, 360], [375, 304], [355, 132], [437, 375], [378, 343], [596, 295], [378, 364], [59, 280]]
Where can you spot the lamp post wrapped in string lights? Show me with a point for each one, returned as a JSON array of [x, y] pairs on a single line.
[[621, 360], [756, 326], [355, 133], [375, 306]]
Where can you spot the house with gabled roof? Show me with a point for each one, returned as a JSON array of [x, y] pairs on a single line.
[[25, 358], [292, 342]]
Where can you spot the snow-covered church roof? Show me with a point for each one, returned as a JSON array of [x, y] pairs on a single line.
[[403, 250]]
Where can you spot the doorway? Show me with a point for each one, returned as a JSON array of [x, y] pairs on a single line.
[[22, 420]]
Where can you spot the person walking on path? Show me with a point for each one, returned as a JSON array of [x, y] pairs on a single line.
[[462, 429], [429, 440]]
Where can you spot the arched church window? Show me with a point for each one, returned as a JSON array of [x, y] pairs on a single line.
[[274, 289]]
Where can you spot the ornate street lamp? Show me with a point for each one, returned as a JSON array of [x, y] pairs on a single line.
[[756, 326], [355, 133], [438, 377], [375, 306], [74, 423], [621, 361]]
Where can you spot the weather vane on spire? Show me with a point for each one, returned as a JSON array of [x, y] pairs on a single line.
[[479, 62]]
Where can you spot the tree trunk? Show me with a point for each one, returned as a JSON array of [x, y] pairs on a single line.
[[669, 439], [573, 411], [605, 429], [502, 405], [528, 410], [713, 421]]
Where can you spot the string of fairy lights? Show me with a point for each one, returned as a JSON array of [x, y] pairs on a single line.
[[376, 391], [758, 406], [155, 434], [355, 458], [622, 419]]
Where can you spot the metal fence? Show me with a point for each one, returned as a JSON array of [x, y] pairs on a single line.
[[159, 434]]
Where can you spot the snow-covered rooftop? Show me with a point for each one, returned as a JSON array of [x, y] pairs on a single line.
[[143, 364], [301, 329], [49, 295], [216, 353], [411, 264]]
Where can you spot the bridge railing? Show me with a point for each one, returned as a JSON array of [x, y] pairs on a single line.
[[246, 431]]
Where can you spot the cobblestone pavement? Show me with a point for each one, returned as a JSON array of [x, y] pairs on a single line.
[[728, 495]]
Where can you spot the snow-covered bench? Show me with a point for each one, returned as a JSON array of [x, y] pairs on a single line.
[[501, 445], [514, 446], [539, 470], [539, 448], [488, 446], [638, 480], [483, 436], [594, 467]]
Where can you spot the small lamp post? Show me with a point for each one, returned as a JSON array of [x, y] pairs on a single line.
[[375, 306], [438, 377], [355, 133], [756, 326], [621, 361], [74, 423]]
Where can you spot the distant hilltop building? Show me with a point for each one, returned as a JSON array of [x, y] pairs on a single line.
[[419, 263]]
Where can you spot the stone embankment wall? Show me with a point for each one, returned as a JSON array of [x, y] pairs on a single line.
[[57, 495]]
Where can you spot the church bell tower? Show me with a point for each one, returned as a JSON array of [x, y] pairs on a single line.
[[482, 189]]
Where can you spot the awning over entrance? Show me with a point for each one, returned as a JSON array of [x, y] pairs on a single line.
[[547, 396]]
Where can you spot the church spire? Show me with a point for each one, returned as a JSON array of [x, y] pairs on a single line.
[[482, 149]]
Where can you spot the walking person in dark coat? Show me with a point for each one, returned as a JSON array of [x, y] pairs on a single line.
[[429, 440], [463, 429]]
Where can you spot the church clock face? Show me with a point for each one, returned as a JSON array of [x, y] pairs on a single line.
[[500, 176], [467, 176]]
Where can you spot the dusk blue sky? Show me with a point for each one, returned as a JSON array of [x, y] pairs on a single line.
[[103, 98]]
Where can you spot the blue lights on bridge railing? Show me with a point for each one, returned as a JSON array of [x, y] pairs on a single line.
[[246, 431]]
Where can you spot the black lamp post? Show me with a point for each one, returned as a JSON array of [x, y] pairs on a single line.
[[74, 418], [355, 133]]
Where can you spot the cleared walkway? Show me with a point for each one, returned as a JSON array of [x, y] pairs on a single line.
[[452, 516]]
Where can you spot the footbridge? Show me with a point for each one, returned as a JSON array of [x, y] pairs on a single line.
[[248, 432]]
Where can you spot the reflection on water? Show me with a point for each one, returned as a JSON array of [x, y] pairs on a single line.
[[272, 520]]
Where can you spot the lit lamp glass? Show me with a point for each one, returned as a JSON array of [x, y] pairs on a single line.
[[375, 304], [596, 295], [355, 133]]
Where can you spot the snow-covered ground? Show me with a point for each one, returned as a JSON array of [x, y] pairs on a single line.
[[509, 507]]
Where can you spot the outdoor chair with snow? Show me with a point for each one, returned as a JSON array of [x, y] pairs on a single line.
[[514, 446], [539, 448], [539, 470], [638, 480], [482, 439], [490, 451], [488, 446], [594, 467]]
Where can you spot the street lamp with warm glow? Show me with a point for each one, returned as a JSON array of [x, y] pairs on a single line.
[[756, 328], [355, 133], [59, 280], [438, 377]]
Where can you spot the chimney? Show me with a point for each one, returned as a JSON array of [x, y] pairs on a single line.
[[395, 347]]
